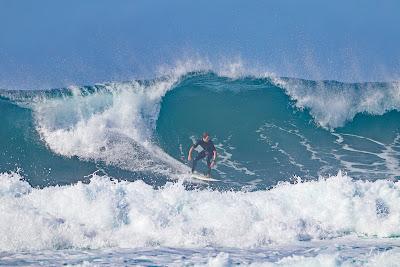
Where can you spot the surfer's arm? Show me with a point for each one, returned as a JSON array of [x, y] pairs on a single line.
[[191, 150], [190, 153]]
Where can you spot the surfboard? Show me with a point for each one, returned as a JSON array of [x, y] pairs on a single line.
[[203, 177]]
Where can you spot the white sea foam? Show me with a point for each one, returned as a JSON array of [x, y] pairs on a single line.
[[114, 125], [316, 256], [104, 214], [333, 105], [385, 156]]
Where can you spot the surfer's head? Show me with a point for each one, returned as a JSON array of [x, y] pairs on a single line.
[[206, 137]]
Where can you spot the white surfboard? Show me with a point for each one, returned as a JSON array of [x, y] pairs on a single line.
[[203, 177]]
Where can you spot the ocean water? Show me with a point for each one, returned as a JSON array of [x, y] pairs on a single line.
[[97, 175]]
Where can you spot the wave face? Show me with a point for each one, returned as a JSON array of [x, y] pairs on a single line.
[[266, 129]]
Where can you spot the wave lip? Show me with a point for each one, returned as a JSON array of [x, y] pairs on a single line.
[[132, 214], [114, 124], [332, 104]]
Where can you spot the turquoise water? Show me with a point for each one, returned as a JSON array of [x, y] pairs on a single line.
[[266, 130], [99, 173]]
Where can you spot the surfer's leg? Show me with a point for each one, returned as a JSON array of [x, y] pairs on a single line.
[[209, 157], [200, 156]]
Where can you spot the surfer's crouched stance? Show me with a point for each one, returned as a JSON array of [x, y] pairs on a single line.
[[209, 151]]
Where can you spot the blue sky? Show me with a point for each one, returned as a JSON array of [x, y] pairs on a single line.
[[47, 44]]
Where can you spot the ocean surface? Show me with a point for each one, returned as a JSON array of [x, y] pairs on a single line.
[[97, 175]]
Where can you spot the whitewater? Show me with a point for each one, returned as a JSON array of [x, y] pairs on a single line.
[[97, 175]]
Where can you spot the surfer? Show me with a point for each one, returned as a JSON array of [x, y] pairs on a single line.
[[209, 151]]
